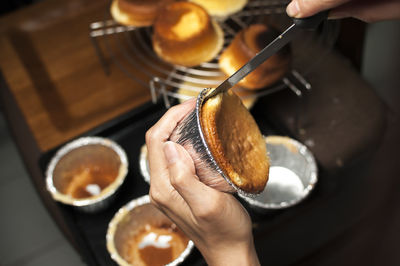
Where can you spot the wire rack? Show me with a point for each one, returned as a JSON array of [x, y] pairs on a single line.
[[130, 49]]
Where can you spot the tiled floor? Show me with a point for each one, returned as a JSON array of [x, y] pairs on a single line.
[[28, 236]]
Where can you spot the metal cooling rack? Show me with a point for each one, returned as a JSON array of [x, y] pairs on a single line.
[[130, 49]]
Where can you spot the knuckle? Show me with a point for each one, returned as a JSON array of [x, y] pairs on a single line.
[[302, 5], [173, 109], [149, 134], [152, 201], [156, 197], [209, 212], [174, 112], [152, 134], [177, 180]]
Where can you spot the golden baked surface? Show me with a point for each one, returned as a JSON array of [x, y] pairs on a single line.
[[246, 44], [235, 142], [184, 34], [136, 12], [221, 8]]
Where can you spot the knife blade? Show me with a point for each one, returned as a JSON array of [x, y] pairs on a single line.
[[309, 23]]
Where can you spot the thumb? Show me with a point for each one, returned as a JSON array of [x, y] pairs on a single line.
[[306, 8], [179, 161]]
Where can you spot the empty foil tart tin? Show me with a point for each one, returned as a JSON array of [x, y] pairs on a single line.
[[144, 164], [86, 173], [140, 234], [293, 175]]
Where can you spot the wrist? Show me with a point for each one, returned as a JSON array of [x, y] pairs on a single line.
[[243, 254]]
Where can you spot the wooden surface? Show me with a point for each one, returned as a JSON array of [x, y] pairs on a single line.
[[52, 69], [54, 86]]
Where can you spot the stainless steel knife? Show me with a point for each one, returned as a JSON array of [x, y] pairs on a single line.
[[309, 23]]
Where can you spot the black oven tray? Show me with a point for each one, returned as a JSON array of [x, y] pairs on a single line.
[[129, 130]]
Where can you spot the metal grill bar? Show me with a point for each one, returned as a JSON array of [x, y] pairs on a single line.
[[130, 49]]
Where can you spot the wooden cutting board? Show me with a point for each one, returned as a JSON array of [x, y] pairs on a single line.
[[51, 67]]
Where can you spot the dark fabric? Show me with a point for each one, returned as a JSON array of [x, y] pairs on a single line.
[[340, 119]]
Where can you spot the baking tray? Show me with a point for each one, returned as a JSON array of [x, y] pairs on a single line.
[[128, 131], [279, 235]]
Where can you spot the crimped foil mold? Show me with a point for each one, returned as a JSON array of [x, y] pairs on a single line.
[[93, 203], [293, 175], [119, 217]]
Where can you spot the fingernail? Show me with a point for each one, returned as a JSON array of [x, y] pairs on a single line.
[[293, 9], [170, 152]]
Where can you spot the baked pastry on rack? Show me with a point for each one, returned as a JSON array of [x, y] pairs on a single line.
[[221, 8], [136, 12], [246, 44], [185, 34]]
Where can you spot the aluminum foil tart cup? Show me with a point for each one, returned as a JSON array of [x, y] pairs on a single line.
[[139, 234], [190, 135], [293, 175], [144, 164], [86, 173]]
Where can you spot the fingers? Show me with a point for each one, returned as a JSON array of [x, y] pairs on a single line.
[[201, 199], [306, 8], [161, 131], [167, 199], [162, 194], [158, 134]]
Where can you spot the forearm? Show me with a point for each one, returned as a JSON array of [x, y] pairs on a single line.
[[243, 254]]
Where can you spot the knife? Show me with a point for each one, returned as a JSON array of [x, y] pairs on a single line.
[[309, 23]]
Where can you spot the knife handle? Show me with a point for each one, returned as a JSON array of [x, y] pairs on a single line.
[[311, 23]]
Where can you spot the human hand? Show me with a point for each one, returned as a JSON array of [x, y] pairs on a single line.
[[365, 10], [216, 222]]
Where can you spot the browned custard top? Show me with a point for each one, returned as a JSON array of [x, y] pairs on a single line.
[[183, 21], [186, 35], [235, 142], [246, 44]]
